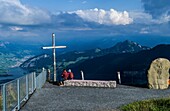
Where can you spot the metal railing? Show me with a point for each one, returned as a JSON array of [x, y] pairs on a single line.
[[14, 93]]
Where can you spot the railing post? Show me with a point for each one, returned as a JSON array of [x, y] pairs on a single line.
[[4, 97], [35, 81], [32, 89], [45, 76], [18, 90], [42, 78], [27, 87]]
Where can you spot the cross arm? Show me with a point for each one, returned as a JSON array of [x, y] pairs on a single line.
[[54, 47]]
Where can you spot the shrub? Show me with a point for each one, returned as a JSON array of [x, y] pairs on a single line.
[[148, 105]]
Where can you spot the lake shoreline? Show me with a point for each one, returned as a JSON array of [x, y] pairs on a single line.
[[12, 74]]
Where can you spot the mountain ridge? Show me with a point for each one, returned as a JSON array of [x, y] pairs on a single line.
[[76, 57]]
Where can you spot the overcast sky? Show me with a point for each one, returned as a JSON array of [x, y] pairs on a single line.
[[37, 19]]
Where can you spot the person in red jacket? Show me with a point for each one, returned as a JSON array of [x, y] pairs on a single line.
[[64, 75], [70, 74]]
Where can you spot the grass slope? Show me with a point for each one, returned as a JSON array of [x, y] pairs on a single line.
[[148, 105]]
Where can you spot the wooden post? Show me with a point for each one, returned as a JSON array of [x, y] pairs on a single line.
[[119, 78], [49, 75], [82, 75]]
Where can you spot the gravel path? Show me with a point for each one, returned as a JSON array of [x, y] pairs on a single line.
[[55, 98]]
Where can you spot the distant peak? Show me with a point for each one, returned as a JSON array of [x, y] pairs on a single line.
[[97, 50], [128, 46], [129, 42]]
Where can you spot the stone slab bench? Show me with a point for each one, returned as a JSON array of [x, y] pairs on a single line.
[[90, 83]]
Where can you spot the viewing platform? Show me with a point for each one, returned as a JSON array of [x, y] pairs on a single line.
[[60, 98]]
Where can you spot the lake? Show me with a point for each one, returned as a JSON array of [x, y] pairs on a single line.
[[12, 73]]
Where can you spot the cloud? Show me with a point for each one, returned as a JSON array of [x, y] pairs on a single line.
[[14, 12], [165, 18], [84, 2], [75, 29], [146, 18], [141, 17], [111, 17], [157, 8], [15, 28], [144, 31]]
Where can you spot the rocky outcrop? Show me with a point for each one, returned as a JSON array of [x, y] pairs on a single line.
[[158, 74]]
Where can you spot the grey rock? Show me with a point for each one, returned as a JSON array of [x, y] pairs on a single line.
[[158, 74]]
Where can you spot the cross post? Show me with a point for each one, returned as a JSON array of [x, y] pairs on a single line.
[[54, 54]]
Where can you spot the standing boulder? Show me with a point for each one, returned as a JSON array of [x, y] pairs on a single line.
[[158, 74]]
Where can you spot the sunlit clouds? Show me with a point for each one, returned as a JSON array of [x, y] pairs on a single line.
[[111, 17]]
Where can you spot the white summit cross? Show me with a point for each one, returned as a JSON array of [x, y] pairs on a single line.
[[54, 55]]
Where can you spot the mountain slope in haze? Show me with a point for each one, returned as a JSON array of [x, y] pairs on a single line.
[[121, 47], [76, 57], [13, 54], [37, 62], [106, 67]]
